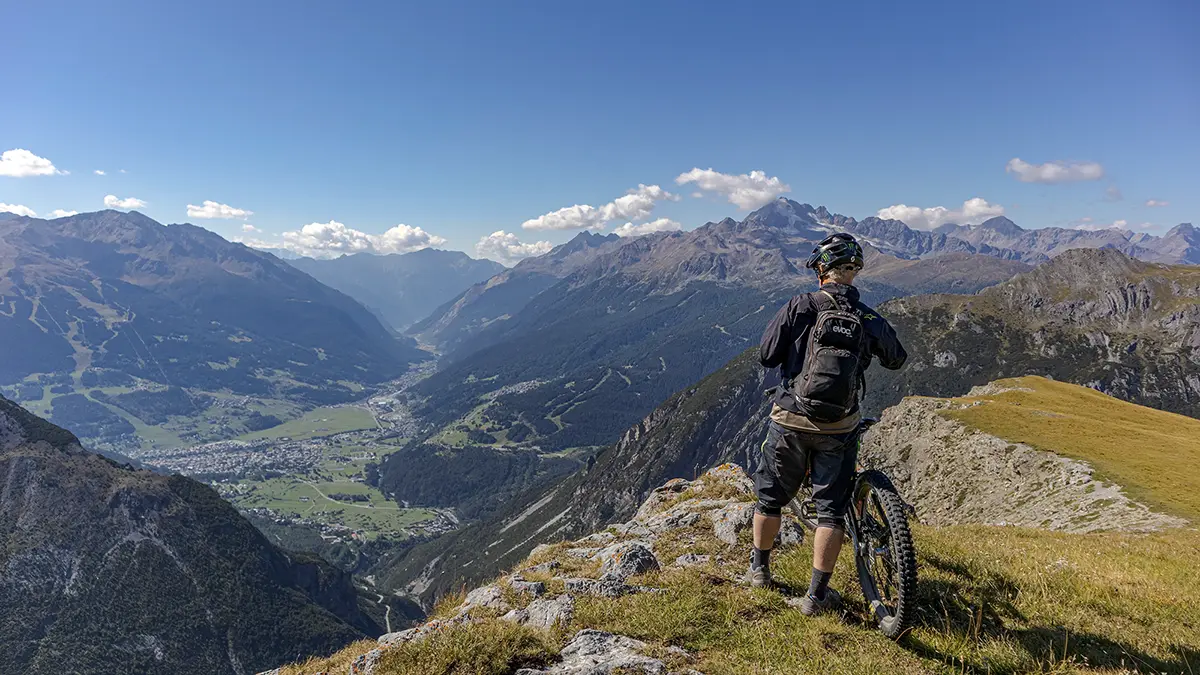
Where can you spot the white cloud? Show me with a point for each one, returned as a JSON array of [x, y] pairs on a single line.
[[1054, 172], [329, 240], [973, 211], [506, 249], [697, 194], [98, 172], [1112, 193], [1093, 226], [1152, 203], [121, 170], [747, 191], [633, 205], [247, 227], [19, 163], [212, 209], [114, 202], [62, 213], [660, 225], [18, 209]]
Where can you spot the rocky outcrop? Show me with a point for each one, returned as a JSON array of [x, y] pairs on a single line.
[[952, 474]]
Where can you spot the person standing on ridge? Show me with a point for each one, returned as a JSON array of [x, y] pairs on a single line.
[[822, 342]]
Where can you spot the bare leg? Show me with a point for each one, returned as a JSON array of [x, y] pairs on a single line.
[[827, 544], [765, 529]]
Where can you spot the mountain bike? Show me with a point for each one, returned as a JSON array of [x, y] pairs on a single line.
[[877, 525]]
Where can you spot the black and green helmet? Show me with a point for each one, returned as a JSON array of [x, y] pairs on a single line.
[[834, 251]]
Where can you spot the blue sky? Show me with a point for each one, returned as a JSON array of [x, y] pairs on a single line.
[[462, 119]]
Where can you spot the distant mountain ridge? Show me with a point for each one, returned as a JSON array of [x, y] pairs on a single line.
[[110, 570], [401, 288], [113, 299]]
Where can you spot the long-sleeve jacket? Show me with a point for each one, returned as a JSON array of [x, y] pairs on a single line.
[[786, 338]]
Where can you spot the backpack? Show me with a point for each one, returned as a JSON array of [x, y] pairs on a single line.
[[827, 387]]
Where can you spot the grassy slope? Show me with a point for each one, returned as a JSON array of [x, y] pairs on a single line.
[[1154, 455], [991, 599]]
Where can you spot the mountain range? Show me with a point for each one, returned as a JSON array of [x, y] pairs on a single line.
[[115, 302], [1091, 317], [107, 569], [401, 288]]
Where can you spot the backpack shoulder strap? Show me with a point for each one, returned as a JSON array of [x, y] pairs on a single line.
[[836, 304]]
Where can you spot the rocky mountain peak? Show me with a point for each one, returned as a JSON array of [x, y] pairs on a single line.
[[1002, 225]]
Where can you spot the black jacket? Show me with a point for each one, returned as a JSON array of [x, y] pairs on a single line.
[[786, 338]]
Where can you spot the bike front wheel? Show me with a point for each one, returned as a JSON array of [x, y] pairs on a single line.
[[884, 553]]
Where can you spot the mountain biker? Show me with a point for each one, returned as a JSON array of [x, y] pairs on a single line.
[[815, 410]]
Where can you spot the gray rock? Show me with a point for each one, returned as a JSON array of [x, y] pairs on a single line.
[[691, 560], [548, 566], [660, 496], [593, 652], [791, 532], [596, 538], [605, 588], [730, 474], [534, 588], [730, 520], [584, 552], [485, 597], [270, 672], [623, 560], [545, 613], [634, 528], [399, 637], [675, 519], [366, 664]]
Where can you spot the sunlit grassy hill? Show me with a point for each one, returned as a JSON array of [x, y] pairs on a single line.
[[991, 599]]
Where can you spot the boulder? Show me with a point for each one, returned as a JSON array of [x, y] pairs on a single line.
[[661, 495], [730, 520], [607, 588], [534, 588], [623, 560], [544, 613], [366, 664], [593, 652], [730, 474]]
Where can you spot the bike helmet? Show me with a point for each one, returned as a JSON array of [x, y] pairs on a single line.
[[834, 251]]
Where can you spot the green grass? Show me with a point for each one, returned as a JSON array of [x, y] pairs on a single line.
[[299, 498], [1154, 455], [989, 600], [319, 422]]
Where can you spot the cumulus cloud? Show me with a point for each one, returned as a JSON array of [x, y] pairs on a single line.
[[633, 205], [973, 211], [247, 227], [19, 209], [114, 202], [1091, 225], [20, 163], [211, 209], [62, 213], [1054, 172], [506, 249], [659, 225], [329, 240], [747, 191], [98, 172], [1153, 203]]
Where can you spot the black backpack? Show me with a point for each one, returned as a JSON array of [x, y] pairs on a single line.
[[828, 385]]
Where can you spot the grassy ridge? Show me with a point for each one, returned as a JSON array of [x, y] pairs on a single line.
[[995, 600], [1154, 455]]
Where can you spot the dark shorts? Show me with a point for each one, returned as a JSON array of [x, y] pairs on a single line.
[[785, 459]]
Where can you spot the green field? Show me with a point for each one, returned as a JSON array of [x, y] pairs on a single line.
[[319, 422], [300, 498]]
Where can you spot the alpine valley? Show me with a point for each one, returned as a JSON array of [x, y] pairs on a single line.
[[352, 443]]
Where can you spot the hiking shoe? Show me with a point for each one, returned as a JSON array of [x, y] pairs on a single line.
[[759, 577], [810, 606]]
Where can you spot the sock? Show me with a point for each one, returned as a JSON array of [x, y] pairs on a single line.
[[820, 582], [759, 557]]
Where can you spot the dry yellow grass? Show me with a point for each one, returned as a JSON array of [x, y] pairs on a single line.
[[1154, 455]]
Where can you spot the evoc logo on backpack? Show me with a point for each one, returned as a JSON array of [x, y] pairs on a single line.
[[827, 387]]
